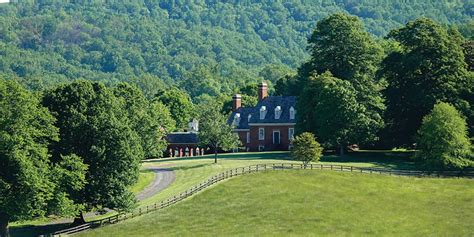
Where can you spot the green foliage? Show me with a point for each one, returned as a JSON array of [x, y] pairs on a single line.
[[28, 184], [306, 148], [329, 109], [94, 125], [215, 132], [442, 140], [179, 105], [149, 120], [50, 42], [429, 67]]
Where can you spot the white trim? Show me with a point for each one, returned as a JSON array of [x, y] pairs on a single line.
[[247, 134], [272, 124], [241, 130], [279, 136], [261, 138], [291, 135]]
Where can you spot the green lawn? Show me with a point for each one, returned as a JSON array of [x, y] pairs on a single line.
[[191, 171], [305, 202]]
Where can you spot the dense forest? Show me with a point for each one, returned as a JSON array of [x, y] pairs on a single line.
[[223, 45]]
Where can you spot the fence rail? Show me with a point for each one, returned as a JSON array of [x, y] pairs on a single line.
[[252, 169]]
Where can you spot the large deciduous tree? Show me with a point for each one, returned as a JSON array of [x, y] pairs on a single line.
[[215, 132], [442, 140], [92, 125], [429, 67], [179, 105], [31, 185], [340, 45], [150, 121], [329, 109]]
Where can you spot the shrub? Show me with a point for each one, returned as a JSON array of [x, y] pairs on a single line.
[[306, 148], [442, 140]]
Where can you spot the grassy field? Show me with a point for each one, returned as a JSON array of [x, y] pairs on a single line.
[[314, 203], [191, 171]]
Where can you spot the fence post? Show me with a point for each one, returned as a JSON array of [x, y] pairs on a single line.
[[341, 167], [311, 166], [331, 167]]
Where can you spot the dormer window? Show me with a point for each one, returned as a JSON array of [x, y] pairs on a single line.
[[263, 112], [277, 112], [248, 118], [292, 112], [236, 119]]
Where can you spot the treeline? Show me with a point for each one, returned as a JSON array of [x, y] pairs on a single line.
[[206, 47], [74, 148], [353, 90]]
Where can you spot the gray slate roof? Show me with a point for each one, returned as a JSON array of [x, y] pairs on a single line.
[[182, 137], [271, 102]]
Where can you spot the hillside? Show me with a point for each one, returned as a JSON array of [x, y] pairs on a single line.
[[323, 203], [226, 44]]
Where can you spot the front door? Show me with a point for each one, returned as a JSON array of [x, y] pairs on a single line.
[[276, 137]]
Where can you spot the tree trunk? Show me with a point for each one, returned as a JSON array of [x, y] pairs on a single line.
[[4, 227], [215, 156], [341, 150], [79, 220]]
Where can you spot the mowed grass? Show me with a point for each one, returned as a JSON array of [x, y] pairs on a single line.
[[305, 202], [145, 179]]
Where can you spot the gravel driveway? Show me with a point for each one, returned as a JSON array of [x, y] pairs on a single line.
[[163, 178]]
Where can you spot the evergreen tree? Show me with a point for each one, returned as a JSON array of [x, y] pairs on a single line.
[[306, 148]]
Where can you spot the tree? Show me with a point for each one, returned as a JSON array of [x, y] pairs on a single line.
[[341, 46], [215, 132], [306, 148], [442, 140], [92, 126], [179, 105], [29, 185], [429, 67], [329, 109], [149, 120]]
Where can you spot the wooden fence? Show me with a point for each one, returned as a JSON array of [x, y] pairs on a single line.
[[252, 169]]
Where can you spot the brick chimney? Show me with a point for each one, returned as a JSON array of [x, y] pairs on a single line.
[[236, 102], [262, 91]]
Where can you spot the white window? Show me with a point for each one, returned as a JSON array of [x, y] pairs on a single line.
[[236, 119], [261, 134], [292, 112], [261, 148], [291, 133], [248, 137], [277, 112], [263, 112]]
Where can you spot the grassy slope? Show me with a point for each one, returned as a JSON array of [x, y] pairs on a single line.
[[145, 179], [315, 202], [191, 171]]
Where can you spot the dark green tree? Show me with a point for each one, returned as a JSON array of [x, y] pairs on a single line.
[[429, 67], [340, 45], [306, 148], [31, 185], [328, 108], [442, 140], [179, 105], [215, 133], [149, 120], [92, 126]]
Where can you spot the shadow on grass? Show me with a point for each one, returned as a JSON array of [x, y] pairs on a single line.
[[33, 230], [382, 159]]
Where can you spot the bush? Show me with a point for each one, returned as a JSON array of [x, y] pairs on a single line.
[[442, 140], [306, 148]]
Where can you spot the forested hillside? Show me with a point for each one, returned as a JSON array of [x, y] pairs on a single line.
[[207, 47]]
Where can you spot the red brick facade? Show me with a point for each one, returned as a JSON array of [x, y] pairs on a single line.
[[276, 138]]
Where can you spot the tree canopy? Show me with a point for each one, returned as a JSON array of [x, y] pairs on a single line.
[[306, 148], [32, 185], [428, 67], [442, 140], [92, 126]]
